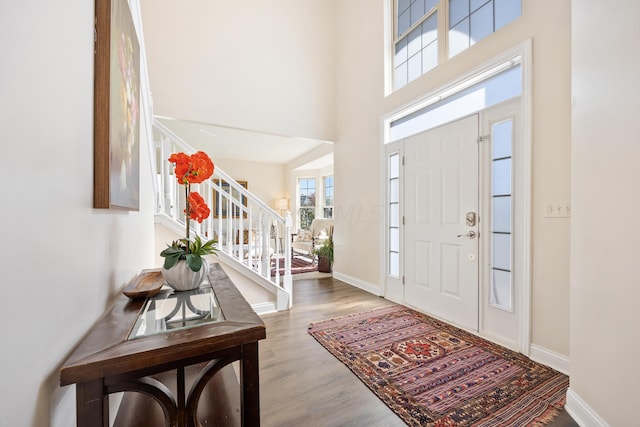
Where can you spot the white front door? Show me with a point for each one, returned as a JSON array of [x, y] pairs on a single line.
[[441, 222]]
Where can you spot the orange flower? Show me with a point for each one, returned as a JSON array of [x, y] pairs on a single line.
[[201, 168], [198, 209], [192, 169], [182, 162]]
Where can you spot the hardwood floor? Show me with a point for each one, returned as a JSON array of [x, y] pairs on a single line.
[[302, 384]]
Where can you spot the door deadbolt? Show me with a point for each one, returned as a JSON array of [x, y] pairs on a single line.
[[471, 219]]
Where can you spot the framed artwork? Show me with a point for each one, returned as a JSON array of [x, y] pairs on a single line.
[[221, 211], [116, 109]]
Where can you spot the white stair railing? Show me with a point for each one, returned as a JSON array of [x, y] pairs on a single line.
[[249, 233]]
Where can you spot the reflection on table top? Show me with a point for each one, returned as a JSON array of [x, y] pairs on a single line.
[[172, 310]]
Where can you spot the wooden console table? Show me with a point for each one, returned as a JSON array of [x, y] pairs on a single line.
[[109, 360]]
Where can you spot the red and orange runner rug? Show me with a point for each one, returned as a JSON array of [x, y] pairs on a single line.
[[433, 374]]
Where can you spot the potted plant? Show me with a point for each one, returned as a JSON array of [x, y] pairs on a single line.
[[184, 268], [324, 252]]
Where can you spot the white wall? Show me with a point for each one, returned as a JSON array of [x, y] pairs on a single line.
[[251, 64], [358, 198], [605, 174], [265, 180], [361, 105], [61, 261]]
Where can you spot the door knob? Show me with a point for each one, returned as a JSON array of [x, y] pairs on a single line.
[[471, 234]]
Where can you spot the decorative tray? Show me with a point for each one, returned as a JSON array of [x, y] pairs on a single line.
[[145, 284]]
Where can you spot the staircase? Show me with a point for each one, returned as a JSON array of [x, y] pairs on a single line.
[[251, 236]]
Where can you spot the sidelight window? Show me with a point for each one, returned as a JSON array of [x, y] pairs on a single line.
[[393, 205], [501, 293]]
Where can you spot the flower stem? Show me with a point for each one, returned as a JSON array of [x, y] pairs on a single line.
[[187, 190]]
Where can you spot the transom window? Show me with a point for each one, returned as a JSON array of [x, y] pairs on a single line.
[[419, 45]]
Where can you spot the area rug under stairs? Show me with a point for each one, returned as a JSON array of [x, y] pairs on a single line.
[[433, 374], [298, 265]]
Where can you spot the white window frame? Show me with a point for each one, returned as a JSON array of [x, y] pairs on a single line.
[[299, 207], [391, 38]]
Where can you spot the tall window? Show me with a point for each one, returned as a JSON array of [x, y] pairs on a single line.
[[418, 46], [328, 196], [307, 202], [416, 39]]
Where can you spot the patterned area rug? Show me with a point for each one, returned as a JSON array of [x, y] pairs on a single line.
[[433, 374], [298, 265]]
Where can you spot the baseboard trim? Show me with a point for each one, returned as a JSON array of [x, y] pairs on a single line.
[[581, 412], [365, 286], [554, 360], [264, 307]]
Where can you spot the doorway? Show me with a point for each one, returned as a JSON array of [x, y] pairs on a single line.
[[453, 222]]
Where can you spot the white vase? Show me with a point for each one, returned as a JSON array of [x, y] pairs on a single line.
[[181, 278]]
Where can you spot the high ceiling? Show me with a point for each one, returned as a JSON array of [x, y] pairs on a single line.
[[243, 144]]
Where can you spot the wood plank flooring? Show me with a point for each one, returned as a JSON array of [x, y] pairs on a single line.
[[302, 384]]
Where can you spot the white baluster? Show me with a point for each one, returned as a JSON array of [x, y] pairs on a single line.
[[288, 280], [264, 245]]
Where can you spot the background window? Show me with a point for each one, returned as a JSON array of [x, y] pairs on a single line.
[[328, 196], [307, 202]]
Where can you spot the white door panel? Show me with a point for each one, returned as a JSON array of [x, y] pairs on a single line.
[[441, 187]]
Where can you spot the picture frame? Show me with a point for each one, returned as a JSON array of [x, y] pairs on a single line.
[[116, 133], [221, 211]]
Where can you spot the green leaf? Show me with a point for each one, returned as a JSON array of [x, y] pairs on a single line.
[[209, 247], [194, 261], [171, 260], [178, 250], [171, 251]]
